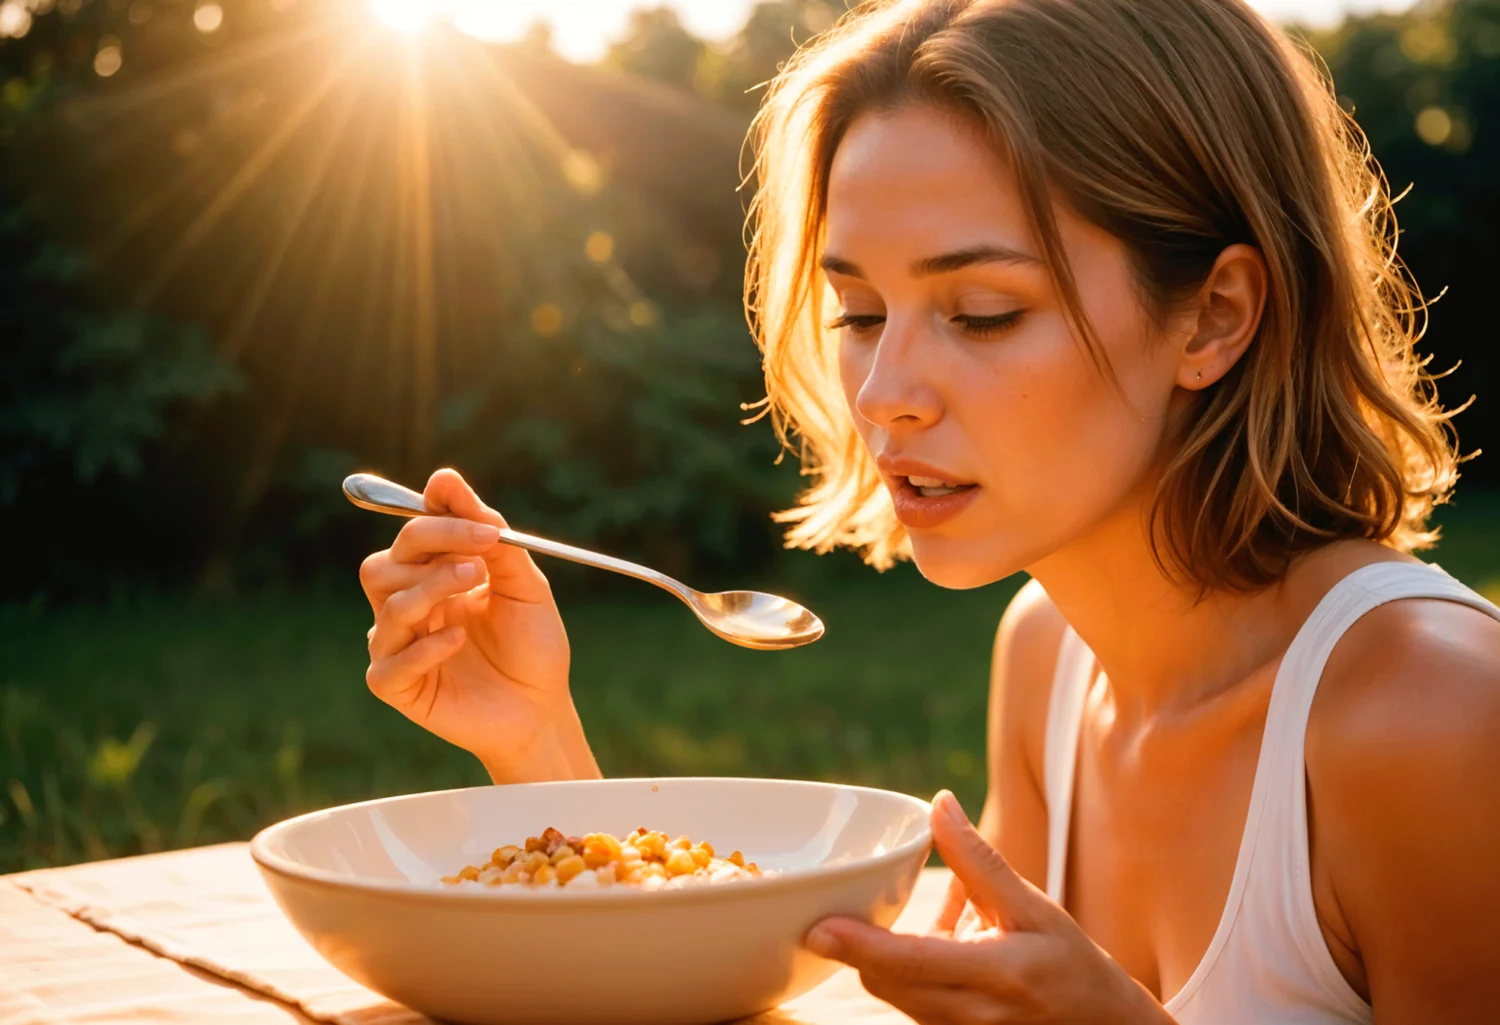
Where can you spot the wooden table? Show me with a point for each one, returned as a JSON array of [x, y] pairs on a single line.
[[106, 942]]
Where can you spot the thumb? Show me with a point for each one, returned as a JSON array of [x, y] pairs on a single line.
[[994, 888]]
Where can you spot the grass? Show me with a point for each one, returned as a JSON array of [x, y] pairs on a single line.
[[164, 722]]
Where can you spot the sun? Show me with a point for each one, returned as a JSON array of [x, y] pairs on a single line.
[[407, 15]]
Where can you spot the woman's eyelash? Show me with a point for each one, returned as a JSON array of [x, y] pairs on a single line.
[[990, 325], [858, 321]]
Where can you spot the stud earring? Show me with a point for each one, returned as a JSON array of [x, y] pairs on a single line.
[[1198, 376]]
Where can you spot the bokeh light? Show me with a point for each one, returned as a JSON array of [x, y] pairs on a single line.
[[1434, 126], [15, 20], [208, 18], [109, 58], [582, 171], [643, 313], [599, 246], [547, 319]]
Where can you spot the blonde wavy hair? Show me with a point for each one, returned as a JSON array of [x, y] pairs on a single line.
[[1180, 127]]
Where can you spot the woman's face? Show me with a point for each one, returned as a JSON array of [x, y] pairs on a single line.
[[999, 438]]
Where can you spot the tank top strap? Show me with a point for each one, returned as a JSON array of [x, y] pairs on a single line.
[[1070, 683], [1271, 898]]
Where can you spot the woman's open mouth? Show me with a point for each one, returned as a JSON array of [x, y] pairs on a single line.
[[923, 503]]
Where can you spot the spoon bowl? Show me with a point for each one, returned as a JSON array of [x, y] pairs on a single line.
[[754, 619], [751, 619]]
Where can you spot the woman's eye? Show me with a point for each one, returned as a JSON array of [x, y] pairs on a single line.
[[858, 323], [993, 324]]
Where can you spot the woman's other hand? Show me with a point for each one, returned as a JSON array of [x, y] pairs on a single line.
[[1017, 957]]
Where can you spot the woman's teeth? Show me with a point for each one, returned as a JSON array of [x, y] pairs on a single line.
[[931, 487]]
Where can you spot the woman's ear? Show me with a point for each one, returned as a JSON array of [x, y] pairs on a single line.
[[1224, 316]]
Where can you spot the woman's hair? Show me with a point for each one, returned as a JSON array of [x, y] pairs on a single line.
[[1180, 127]]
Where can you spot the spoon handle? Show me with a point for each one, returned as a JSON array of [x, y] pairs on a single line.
[[377, 494]]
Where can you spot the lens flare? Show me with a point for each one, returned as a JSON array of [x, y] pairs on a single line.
[[406, 15]]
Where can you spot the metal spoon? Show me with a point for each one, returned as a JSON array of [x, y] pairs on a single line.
[[750, 619]]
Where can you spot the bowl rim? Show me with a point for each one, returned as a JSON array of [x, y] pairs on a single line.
[[517, 897]]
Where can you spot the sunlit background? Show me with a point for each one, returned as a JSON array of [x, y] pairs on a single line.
[[248, 246], [582, 30]]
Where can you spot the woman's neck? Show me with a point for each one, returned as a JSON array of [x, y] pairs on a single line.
[[1161, 643]]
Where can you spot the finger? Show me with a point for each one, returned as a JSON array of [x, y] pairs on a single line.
[[958, 916], [998, 893], [382, 577], [954, 903], [513, 574], [902, 958], [393, 678], [397, 621], [425, 538], [938, 1005]]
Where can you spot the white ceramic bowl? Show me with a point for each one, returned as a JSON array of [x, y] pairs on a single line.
[[361, 882]]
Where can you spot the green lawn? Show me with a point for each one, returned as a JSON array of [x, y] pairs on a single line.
[[169, 722]]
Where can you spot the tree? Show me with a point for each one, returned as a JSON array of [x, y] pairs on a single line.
[[1425, 88], [657, 47]]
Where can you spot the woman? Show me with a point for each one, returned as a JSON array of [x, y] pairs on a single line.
[[1103, 290]]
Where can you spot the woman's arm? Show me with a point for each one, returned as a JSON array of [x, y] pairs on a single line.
[[1403, 762]]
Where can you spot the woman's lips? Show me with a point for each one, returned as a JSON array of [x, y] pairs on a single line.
[[917, 511]]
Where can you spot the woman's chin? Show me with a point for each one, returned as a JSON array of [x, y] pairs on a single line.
[[957, 566]]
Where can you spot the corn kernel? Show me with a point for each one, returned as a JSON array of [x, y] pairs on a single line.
[[630, 853], [681, 863], [568, 868], [707, 847], [543, 875], [553, 839], [452, 880], [470, 872], [535, 860], [535, 843], [492, 876], [655, 870], [600, 849], [737, 859], [653, 845], [700, 856], [562, 853], [503, 856], [682, 843], [514, 871]]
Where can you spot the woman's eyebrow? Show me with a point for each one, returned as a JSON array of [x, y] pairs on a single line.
[[961, 258], [944, 263], [838, 265]]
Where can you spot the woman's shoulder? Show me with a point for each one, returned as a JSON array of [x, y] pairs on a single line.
[[1022, 667], [1030, 634], [1410, 679]]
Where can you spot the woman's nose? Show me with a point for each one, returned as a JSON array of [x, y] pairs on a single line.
[[895, 393]]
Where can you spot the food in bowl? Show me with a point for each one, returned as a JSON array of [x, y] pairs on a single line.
[[645, 858]]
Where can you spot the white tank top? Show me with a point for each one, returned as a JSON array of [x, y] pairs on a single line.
[[1267, 963]]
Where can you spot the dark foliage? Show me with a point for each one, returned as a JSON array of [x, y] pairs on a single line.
[[239, 263]]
